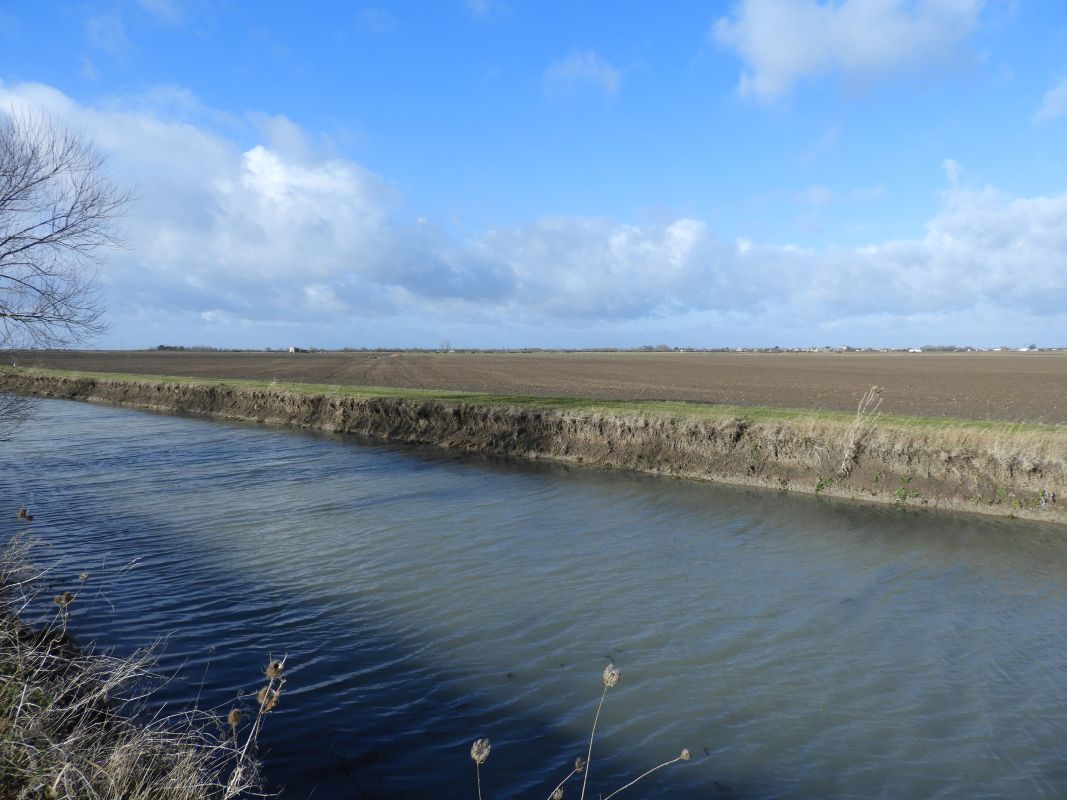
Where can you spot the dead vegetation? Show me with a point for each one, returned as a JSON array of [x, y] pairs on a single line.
[[860, 429], [481, 748], [73, 719]]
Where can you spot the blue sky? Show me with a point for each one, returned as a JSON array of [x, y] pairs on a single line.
[[509, 173]]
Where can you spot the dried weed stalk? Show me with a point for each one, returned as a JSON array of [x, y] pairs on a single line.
[[867, 414], [610, 677], [73, 722]]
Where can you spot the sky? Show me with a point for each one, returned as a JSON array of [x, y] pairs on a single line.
[[510, 173]]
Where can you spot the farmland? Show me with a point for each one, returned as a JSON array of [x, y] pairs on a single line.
[[1011, 387]]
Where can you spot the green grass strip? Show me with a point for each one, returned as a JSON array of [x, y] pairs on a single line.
[[645, 408]]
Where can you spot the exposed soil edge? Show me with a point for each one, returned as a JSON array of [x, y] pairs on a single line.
[[1003, 473]]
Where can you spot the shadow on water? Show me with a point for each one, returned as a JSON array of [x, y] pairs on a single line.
[[426, 600], [365, 714]]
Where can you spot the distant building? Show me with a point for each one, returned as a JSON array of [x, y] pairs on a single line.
[[915, 350]]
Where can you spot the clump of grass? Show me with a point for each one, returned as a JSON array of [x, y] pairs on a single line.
[[73, 721], [867, 413], [610, 678]]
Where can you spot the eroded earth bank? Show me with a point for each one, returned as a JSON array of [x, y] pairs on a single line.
[[1001, 469]]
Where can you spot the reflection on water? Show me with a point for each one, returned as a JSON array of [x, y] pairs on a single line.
[[800, 648]]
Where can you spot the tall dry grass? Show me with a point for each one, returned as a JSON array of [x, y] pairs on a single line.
[[74, 720]]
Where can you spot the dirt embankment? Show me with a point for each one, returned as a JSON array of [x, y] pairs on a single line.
[[1010, 387], [1020, 471]]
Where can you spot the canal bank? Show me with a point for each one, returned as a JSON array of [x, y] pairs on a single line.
[[988, 467]]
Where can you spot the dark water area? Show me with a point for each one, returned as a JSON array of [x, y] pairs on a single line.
[[800, 648]]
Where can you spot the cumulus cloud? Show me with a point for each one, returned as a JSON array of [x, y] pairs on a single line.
[[1054, 103], [277, 234], [579, 69], [783, 42]]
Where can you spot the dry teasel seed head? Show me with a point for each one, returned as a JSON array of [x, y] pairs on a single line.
[[480, 751], [268, 698], [22, 513], [579, 764], [234, 718], [611, 675], [685, 755], [558, 794], [274, 669], [83, 577], [64, 599]]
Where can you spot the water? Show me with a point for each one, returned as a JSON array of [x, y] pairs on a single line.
[[800, 648]]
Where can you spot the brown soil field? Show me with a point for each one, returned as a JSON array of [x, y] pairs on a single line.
[[1015, 387]]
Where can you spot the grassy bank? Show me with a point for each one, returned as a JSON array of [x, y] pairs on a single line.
[[993, 467]]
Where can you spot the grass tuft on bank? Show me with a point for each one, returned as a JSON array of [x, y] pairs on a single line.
[[72, 720]]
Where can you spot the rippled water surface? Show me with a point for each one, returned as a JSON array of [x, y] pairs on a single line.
[[800, 648]]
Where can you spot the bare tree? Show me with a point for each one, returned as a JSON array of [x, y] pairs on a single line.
[[57, 210]]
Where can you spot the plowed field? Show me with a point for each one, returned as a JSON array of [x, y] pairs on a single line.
[[1017, 387]]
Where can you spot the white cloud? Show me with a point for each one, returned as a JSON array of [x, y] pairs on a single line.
[[278, 236], [952, 170], [783, 42], [579, 69], [284, 136], [1053, 104]]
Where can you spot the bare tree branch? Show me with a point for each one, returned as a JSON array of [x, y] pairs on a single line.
[[57, 211], [13, 412]]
